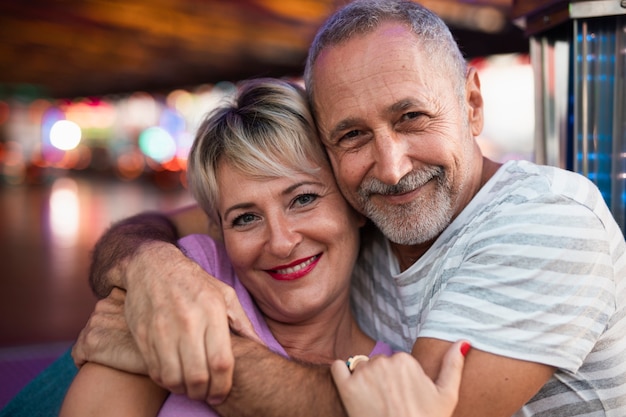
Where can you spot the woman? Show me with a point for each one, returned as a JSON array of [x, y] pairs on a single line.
[[290, 242]]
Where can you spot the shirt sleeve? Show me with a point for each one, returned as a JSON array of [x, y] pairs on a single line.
[[530, 288]]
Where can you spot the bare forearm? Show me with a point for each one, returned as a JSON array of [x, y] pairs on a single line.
[[265, 383], [101, 391], [120, 242]]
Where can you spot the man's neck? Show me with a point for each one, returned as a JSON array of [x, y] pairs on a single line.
[[407, 255]]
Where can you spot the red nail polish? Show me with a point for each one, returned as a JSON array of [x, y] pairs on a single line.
[[465, 347]]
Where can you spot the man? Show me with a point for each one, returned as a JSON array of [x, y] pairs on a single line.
[[471, 249]]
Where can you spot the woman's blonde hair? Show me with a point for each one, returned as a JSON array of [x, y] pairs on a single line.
[[267, 131]]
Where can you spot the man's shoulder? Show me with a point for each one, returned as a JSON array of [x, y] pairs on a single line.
[[559, 180], [526, 182]]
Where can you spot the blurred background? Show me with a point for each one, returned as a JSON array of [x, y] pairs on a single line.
[[99, 101]]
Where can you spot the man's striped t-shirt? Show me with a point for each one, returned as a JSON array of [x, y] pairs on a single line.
[[534, 268]]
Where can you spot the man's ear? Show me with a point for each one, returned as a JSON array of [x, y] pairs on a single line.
[[474, 99]]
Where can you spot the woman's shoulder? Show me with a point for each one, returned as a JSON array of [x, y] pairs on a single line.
[[210, 254]]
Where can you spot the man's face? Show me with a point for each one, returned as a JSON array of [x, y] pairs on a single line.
[[399, 136]]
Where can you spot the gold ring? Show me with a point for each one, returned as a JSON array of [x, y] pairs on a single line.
[[354, 360]]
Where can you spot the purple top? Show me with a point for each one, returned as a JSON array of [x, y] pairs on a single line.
[[212, 257]]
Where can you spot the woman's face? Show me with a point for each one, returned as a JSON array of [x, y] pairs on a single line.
[[292, 241]]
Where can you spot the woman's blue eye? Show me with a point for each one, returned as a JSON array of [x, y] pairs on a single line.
[[305, 199], [244, 219]]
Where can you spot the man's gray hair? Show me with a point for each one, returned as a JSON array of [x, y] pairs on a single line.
[[364, 16]]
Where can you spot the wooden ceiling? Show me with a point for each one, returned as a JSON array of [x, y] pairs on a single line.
[[72, 48]]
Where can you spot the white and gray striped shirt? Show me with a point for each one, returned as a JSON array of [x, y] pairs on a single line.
[[534, 268]]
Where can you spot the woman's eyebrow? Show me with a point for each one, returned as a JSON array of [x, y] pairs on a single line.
[[238, 206], [286, 191], [295, 186]]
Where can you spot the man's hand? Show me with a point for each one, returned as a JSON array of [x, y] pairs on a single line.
[[397, 386], [181, 319], [106, 338]]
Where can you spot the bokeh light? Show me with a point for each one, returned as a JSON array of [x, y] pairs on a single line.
[[65, 135], [148, 135], [64, 212], [157, 144], [130, 165]]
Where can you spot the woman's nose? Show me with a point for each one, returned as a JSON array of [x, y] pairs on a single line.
[[283, 237]]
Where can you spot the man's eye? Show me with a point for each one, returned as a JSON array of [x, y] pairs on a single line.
[[412, 115], [351, 134], [351, 139]]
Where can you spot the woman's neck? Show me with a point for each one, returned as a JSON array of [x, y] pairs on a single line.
[[328, 336]]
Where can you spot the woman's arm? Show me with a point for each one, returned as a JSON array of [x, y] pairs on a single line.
[[101, 391], [98, 390]]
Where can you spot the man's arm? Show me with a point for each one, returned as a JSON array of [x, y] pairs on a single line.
[[181, 328], [122, 241], [492, 385], [265, 383], [179, 316]]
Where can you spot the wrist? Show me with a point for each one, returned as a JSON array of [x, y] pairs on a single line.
[[150, 253]]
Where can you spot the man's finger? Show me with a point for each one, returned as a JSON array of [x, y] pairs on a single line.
[[221, 362], [166, 367], [240, 324], [238, 320], [195, 368]]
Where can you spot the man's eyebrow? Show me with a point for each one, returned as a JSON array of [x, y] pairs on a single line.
[[350, 122], [403, 104], [342, 126]]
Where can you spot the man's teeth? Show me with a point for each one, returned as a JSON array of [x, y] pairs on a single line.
[[298, 267]]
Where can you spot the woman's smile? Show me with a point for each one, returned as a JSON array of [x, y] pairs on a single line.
[[295, 270]]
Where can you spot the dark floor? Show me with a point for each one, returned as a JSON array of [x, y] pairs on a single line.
[[46, 234]]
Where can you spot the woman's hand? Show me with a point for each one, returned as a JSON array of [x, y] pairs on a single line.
[[397, 386]]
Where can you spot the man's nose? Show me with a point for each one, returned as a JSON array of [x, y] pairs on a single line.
[[392, 161]]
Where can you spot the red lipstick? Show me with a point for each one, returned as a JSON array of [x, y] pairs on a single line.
[[295, 270]]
